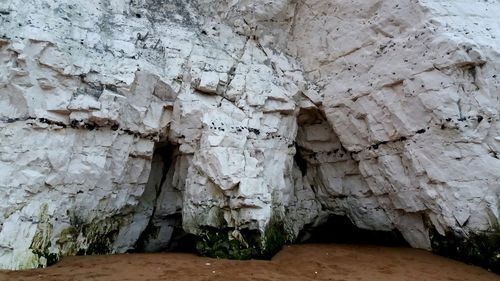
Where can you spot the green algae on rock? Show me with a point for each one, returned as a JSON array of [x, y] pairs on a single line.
[[243, 244], [217, 243], [482, 249], [40, 245]]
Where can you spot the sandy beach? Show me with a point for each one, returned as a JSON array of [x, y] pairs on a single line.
[[299, 262]]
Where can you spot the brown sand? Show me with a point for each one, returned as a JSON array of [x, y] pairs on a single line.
[[301, 262]]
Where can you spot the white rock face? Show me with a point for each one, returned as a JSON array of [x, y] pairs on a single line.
[[410, 88], [122, 122]]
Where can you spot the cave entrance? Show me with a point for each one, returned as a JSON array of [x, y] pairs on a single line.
[[162, 200], [331, 172], [340, 230]]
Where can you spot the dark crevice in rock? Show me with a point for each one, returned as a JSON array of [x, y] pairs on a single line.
[[182, 241], [340, 229], [164, 234], [300, 161], [164, 230]]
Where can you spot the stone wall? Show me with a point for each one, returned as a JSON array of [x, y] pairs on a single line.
[[266, 117]]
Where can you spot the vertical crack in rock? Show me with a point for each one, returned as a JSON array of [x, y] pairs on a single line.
[[160, 195]]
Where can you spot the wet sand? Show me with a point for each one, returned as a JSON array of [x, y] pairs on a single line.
[[300, 262]]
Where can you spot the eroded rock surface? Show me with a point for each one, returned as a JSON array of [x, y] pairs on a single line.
[[125, 122]]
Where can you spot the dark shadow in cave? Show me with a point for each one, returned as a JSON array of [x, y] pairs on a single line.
[[183, 242], [164, 231], [340, 229], [300, 161]]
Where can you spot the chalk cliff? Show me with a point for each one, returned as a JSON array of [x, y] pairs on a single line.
[[125, 124]]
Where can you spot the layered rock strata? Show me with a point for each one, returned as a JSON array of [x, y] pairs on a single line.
[[125, 123]]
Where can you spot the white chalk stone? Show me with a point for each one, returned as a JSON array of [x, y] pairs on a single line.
[[393, 115]]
